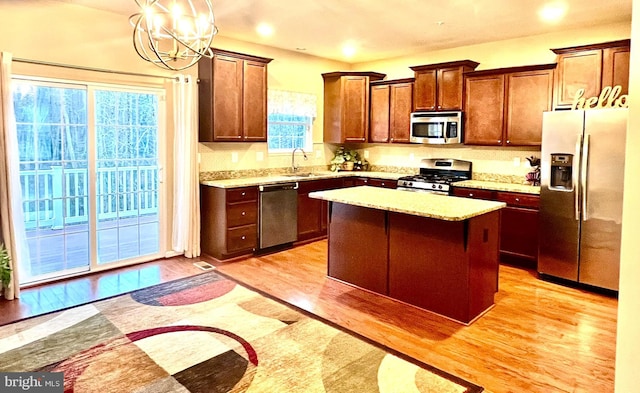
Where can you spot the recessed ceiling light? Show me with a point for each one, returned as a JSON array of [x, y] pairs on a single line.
[[348, 50], [264, 29], [553, 12]]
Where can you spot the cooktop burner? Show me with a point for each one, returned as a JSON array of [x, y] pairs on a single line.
[[436, 175]]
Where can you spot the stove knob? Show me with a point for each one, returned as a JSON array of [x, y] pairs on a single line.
[[440, 186], [409, 184], [433, 186]]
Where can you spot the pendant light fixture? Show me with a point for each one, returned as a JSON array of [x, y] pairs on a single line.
[[173, 34]]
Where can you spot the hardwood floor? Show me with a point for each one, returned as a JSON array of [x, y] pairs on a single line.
[[540, 336]]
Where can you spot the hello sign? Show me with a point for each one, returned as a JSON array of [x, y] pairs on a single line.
[[608, 98]]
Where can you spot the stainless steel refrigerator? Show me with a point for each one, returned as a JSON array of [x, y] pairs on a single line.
[[581, 184]]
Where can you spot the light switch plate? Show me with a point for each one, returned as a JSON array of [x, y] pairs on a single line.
[[259, 156], [234, 156], [366, 154], [516, 161]]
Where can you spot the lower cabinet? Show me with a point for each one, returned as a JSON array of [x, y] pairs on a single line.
[[312, 213], [519, 224], [370, 181], [229, 225]]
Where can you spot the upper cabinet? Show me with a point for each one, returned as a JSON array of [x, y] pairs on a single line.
[[391, 106], [439, 86], [590, 67], [503, 107], [232, 97], [346, 106]]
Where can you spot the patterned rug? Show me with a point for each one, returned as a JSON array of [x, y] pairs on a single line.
[[208, 334]]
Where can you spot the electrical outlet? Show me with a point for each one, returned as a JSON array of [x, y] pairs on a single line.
[[234, 156], [412, 156], [516, 161], [366, 154], [259, 156], [318, 153]]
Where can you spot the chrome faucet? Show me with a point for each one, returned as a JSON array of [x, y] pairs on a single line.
[[294, 167]]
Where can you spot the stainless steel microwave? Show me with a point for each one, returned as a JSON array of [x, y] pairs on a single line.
[[436, 127]]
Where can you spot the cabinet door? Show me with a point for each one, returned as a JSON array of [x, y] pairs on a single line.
[[355, 111], [227, 98], [400, 109], [310, 221], [529, 94], [379, 114], [255, 102], [580, 70], [484, 110], [425, 90], [449, 89], [615, 68], [519, 233]]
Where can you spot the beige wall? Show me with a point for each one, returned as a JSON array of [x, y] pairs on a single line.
[[628, 346]]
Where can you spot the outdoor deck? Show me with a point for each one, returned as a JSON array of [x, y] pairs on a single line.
[[67, 249]]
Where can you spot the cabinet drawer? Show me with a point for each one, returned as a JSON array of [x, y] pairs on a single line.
[[520, 200], [241, 238], [473, 193], [243, 213], [242, 194], [383, 183]]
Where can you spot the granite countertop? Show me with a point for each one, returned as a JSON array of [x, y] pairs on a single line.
[[280, 178], [496, 186], [422, 204]]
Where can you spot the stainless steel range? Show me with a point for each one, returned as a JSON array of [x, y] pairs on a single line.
[[436, 175]]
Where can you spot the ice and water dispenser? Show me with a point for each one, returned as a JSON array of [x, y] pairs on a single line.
[[561, 172]]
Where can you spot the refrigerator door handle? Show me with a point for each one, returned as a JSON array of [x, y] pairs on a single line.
[[584, 176], [576, 189]]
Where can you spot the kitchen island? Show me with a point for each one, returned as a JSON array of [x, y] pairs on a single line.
[[436, 252]]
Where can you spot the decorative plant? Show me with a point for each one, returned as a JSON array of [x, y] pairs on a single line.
[[5, 269], [533, 177], [343, 155]]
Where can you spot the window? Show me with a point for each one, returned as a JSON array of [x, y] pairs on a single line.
[[290, 121]]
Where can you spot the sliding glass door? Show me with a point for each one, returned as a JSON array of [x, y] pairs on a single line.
[[90, 176]]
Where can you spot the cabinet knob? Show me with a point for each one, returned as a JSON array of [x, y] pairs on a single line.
[[499, 140], [382, 184], [244, 213], [243, 237], [517, 199], [244, 193], [471, 194], [439, 106], [508, 141]]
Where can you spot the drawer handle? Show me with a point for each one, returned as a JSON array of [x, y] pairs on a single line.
[[243, 237], [245, 213], [382, 184], [471, 194], [244, 193], [517, 199]]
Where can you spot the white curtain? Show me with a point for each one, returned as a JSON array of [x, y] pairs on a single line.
[[186, 184], [11, 218]]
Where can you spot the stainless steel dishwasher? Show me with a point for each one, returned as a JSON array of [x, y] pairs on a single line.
[[278, 218]]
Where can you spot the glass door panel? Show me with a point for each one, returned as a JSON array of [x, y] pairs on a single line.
[[127, 181], [52, 137]]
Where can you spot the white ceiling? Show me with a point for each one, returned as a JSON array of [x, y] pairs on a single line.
[[384, 29]]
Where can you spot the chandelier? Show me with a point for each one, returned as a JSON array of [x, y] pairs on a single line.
[[173, 34]]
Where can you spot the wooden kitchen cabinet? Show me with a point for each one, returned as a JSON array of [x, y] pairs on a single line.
[[312, 213], [391, 107], [232, 93], [503, 107], [229, 221], [346, 106], [374, 182], [439, 86], [519, 224], [590, 67]]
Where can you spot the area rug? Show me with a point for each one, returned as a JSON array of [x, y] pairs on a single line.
[[209, 334]]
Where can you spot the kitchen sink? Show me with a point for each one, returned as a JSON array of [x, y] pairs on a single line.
[[307, 174]]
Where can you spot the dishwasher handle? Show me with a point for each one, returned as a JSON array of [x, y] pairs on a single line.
[[278, 187]]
